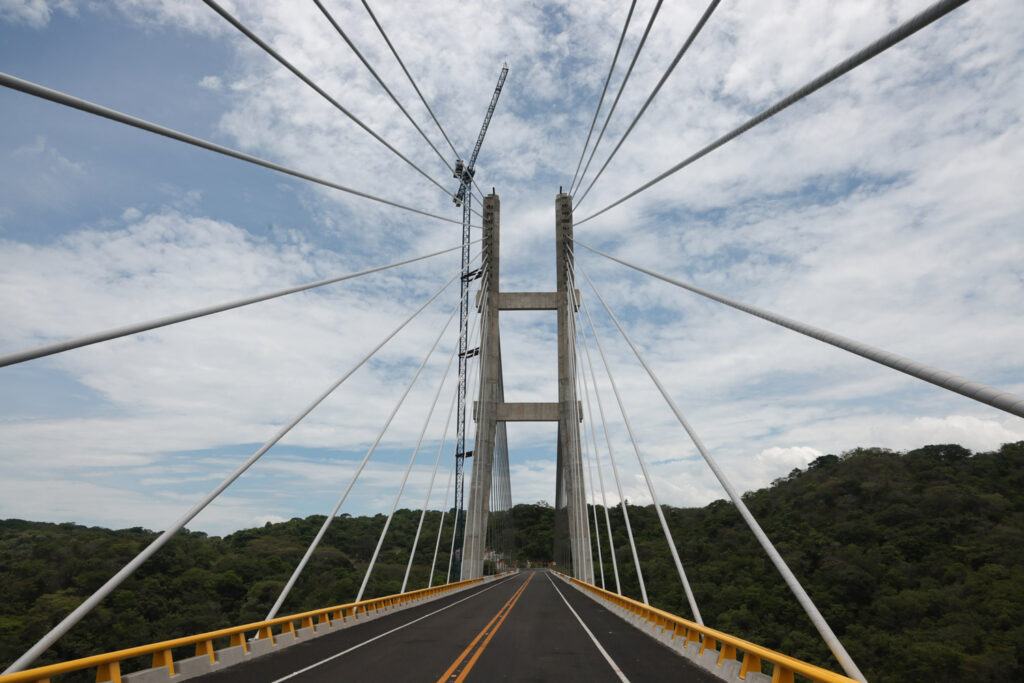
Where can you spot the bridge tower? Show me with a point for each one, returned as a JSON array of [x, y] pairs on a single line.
[[570, 494], [572, 538], [491, 395]]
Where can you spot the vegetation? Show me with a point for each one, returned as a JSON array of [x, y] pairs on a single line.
[[916, 560]]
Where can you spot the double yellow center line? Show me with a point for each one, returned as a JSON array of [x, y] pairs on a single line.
[[460, 668]]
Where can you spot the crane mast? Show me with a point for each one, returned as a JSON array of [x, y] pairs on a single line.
[[464, 198]]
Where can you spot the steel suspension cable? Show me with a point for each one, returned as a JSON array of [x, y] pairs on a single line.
[[42, 92], [444, 505], [577, 409], [408, 75], [444, 508], [451, 549], [901, 32], [458, 508], [408, 469], [455, 533], [997, 398], [801, 595], [593, 497], [654, 93], [604, 90], [467, 539], [643, 465], [83, 609], [615, 468], [430, 488], [509, 532], [227, 16], [412, 81], [498, 503], [587, 450], [380, 81], [582, 521], [597, 458], [355, 477], [575, 542], [622, 87], [135, 328]]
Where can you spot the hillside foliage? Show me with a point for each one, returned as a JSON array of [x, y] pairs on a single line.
[[916, 559]]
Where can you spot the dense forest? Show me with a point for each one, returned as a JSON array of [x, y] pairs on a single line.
[[916, 559]]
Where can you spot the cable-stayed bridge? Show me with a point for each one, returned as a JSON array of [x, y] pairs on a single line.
[[487, 618]]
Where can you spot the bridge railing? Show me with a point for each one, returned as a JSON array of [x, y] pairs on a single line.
[[108, 666], [684, 632]]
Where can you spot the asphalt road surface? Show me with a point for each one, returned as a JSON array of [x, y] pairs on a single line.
[[520, 628]]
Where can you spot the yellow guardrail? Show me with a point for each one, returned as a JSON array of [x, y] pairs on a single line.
[[783, 666], [108, 666]]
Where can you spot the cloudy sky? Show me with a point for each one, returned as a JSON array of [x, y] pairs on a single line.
[[886, 207]]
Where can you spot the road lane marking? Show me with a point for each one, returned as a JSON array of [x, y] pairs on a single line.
[[604, 653], [461, 667], [487, 640], [387, 633]]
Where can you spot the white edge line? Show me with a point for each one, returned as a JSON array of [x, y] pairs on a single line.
[[387, 633], [604, 653]]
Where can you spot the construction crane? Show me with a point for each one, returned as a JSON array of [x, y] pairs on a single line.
[[464, 198]]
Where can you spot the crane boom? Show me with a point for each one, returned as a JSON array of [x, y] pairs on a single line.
[[487, 117], [470, 168]]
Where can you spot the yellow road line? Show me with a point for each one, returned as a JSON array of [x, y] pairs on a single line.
[[460, 668]]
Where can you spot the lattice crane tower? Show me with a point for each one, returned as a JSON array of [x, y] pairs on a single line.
[[464, 198]]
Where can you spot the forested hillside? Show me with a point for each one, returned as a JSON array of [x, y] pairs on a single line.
[[916, 559]]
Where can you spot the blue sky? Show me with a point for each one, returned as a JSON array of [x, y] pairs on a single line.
[[885, 207]]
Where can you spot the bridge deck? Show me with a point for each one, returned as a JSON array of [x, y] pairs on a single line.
[[515, 629]]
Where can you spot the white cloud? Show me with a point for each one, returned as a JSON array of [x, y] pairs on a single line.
[[969, 431], [777, 458], [211, 83], [35, 13], [39, 174], [182, 13], [885, 207]]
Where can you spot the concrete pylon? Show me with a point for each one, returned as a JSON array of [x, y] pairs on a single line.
[[572, 532], [570, 458], [491, 394]]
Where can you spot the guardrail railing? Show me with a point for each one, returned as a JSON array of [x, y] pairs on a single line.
[[696, 639], [108, 666]]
